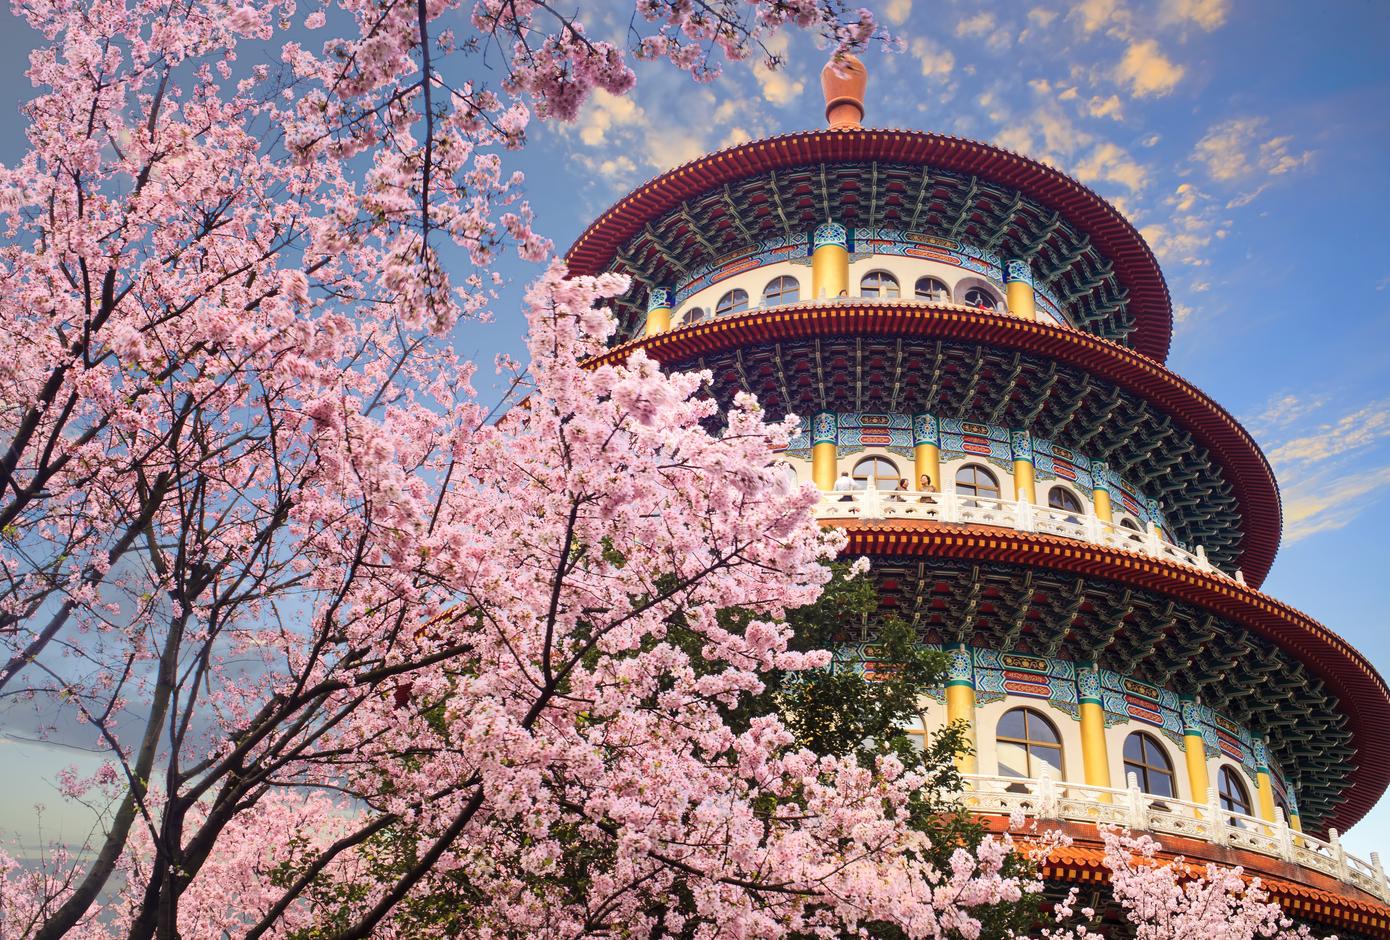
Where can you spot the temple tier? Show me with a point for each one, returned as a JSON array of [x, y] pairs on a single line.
[[975, 346]]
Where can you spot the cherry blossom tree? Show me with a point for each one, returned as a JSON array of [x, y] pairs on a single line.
[[263, 544], [1174, 900]]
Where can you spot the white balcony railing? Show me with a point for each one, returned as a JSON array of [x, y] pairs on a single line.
[[1010, 514], [1049, 799]]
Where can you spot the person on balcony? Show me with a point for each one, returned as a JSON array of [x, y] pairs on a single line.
[[925, 485], [845, 485]]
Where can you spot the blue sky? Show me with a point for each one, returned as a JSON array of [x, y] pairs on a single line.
[[1246, 139]]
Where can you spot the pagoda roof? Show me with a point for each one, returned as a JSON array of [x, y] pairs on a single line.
[[1231, 449], [1347, 675], [1095, 247], [1301, 892]]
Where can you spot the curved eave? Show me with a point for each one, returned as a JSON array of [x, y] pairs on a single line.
[[1302, 893], [1209, 424], [1135, 266], [1346, 672]]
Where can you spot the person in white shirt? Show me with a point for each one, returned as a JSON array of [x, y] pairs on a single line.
[[845, 485]]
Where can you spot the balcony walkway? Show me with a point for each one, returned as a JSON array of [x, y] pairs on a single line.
[[1022, 516], [1049, 799]]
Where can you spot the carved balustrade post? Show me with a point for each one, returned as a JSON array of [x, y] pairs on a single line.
[[1202, 561], [1284, 835], [1023, 512], [1339, 854], [950, 509], [872, 503], [1217, 816], [1047, 797], [1137, 804], [1381, 884]]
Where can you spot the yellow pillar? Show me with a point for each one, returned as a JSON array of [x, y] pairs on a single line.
[[1295, 822], [1266, 790], [659, 304], [960, 700], [926, 459], [926, 450], [824, 435], [1264, 785], [1018, 288], [1021, 442], [1099, 494], [1195, 750], [829, 261], [1095, 759], [1023, 481]]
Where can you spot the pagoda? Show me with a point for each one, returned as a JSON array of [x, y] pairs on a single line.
[[975, 344]]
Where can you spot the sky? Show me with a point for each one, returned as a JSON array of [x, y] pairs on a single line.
[[1247, 140]]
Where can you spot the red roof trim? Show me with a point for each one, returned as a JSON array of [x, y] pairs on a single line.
[[1110, 232], [1212, 426], [1339, 904], [1348, 674]]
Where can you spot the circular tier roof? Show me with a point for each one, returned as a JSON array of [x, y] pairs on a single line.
[[1101, 227], [1240, 461], [1301, 892], [1346, 673]]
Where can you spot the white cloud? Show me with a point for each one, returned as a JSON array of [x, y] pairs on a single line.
[[1190, 223], [1327, 469], [779, 87], [1105, 107], [619, 141], [1093, 15], [936, 61], [1324, 506], [1147, 71], [897, 11], [984, 26], [981, 24], [1231, 152], [1283, 411], [1111, 163], [1206, 14], [1351, 432], [603, 112]]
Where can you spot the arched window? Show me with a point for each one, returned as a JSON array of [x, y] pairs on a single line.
[[781, 290], [877, 473], [975, 480], [933, 289], [1127, 523], [1234, 797], [916, 731], [1026, 742], [1059, 497], [1146, 759], [781, 470], [879, 284], [981, 298], [693, 315], [735, 301]]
